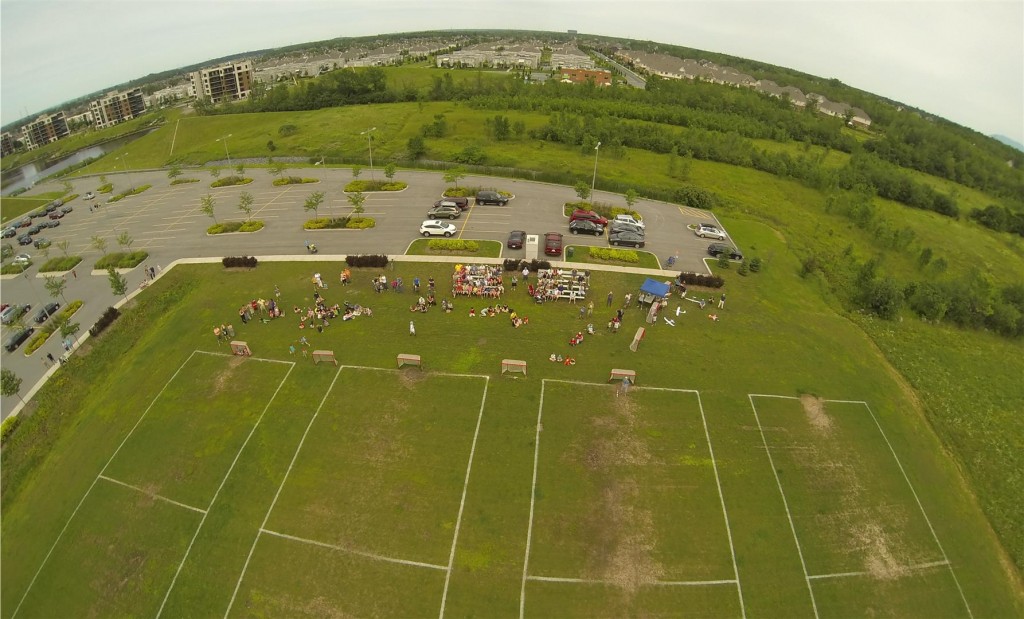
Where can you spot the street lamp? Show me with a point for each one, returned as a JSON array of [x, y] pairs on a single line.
[[226, 153], [369, 145], [124, 163], [593, 184]]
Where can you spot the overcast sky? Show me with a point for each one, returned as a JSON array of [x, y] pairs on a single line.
[[962, 60]]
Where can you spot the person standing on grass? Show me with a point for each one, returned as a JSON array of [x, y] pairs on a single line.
[[412, 328], [590, 309], [609, 303], [515, 281], [721, 301]]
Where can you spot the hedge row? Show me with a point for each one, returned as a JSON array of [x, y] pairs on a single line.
[[375, 185], [228, 181], [470, 192], [183, 181], [60, 264], [699, 279], [294, 180], [534, 265], [338, 223], [248, 262], [121, 260], [608, 211], [235, 226], [105, 321], [621, 255], [369, 260], [452, 245], [133, 192]]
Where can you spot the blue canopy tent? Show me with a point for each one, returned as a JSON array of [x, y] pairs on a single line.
[[652, 290]]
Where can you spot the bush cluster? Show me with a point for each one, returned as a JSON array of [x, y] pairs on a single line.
[[699, 279], [453, 245], [361, 223], [235, 226], [106, 188], [60, 264], [294, 180], [121, 260], [228, 181], [134, 192], [620, 255], [183, 181], [339, 223], [603, 209], [368, 260], [105, 321], [8, 426], [511, 264], [248, 262], [469, 192], [375, 185], [52, 325]]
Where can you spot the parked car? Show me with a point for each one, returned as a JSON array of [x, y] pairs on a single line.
[[10, 232], [66, 209], [20, 336], [25, 239], [716, 249], [57, 214], [586, 226], [89, 195], [553, 244], [516, 239], [42, 243], [50, 223], [22, 259], [621, 237], [586, 215], [622, 226], [52, 206], [48, 310], [444, 212], [36, 229], [13, 312], [491, 197], [629, 219], [462, 203], [706, 231], [437, 228], [23, 223]]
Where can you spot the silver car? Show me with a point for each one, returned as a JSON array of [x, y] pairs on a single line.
[[709, 231]]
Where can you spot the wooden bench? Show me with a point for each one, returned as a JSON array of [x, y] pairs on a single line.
[[324, 355], [513, 365], [404, 359], [619, 374]]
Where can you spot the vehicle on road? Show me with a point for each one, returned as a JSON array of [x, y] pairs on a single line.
[[622, 237], [50, 223], [516, 238], [66, 209], [89, 195], [42, 243], [13, 313], [622, 226], [23, 223], [585, 215], [584, 226], [36, 229], [437, 228], [10, 232], [709, 231], [553, 244], [52, 206], [20, 336], [717, 249], [47, 310], [444, 212], [629, 219], [462, 203], [56, 214], [22, 259], [491, 197], [25, 239]]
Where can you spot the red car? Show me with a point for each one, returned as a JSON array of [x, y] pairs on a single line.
[[579, 214], [553, 244], [56, 215]]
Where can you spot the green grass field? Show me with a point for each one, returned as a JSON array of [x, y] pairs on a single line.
[[191, 481]]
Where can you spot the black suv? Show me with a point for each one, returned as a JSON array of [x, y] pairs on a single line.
[[491, 197], [717, 249], [586, 227], [19, 336]]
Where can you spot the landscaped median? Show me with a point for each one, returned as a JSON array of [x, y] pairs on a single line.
[[339, 223], [294, 180], [454, 247], [60, 265], [131, 192], [226, 227], [604, 210], [374, 185], [51, 326], [121, 260], [607, 255]]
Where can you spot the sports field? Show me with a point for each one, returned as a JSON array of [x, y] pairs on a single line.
[[197, 483]]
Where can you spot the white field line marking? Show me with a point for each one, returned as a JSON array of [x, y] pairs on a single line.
[[657, 583], [920, 506], [462, 502], [725, 514], [277, 494], [151, 494], [785, 503], [221, 487], [261, 359], [769, 395], [86, 495], [174, 137], [368, 555], [533, 499], [912, 568]]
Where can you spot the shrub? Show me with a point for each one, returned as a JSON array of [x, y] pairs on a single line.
[[251, 226], [755, 264], [361, 223], [50, 327], [469, 192], [228, 181], [601, 208], [723, 260], [294, 180], [105, 321], [287, 130], [13, 269], [182, 181], [619, 255], [368, 260], [106, 188], [453, 245], [121, 260], [225, 227], [743, 268], [239, 262], [374, 185], [338, 223], [700, 279], [133, 192], [8, 426], [60, 264], [511, 264]]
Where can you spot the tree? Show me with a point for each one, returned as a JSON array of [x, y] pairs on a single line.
[[55, 286], [314, 201], [206, 204], [356, 199], [174, 172], [118, 283], [356, 171], [10, 384], [67, 328], [63, 246], [245, 204], [240, 168], [67, 187], [276, 168], [125, 240], [631, 197], [99, 243], [103, 180], [519, 128], [452, 176], [215, 172], [416, 147], [582, 189], [390, 169]]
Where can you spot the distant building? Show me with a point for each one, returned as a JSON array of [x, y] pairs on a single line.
[[6, 144], [44, 130], [85, 118], [582, 76], [117, 107], [227, 82]]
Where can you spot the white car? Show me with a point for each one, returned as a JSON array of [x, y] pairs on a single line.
[[22, 259], [629, 219], [89, 195], [433, 227], [709, 231]]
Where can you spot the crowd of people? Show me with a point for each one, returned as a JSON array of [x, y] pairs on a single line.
[[478, 280]]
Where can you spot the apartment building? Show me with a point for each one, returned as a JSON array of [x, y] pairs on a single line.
[[227, 82], [44, 130], [117, 107], [582, 76], [6, 144]]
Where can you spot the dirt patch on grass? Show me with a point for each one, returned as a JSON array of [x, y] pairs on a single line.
[[223, 379], [410, 376], [382, 443], [814, 407], [880, 558], [624, 541]]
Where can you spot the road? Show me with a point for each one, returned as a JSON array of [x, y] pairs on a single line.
[[166, 221], [632, 78]]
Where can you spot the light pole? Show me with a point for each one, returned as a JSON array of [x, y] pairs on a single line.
[[369, 145], [593, 184], [124, 163], [226, 153]]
